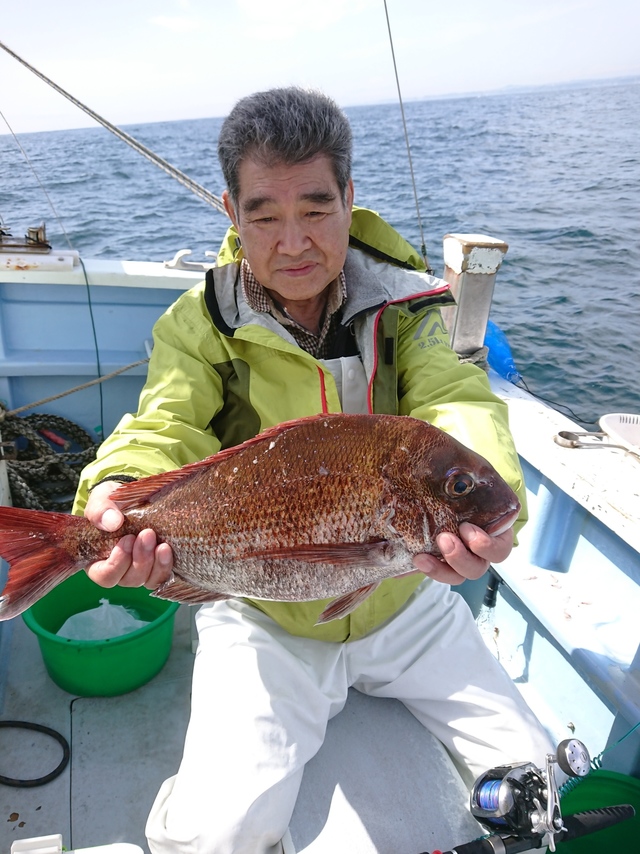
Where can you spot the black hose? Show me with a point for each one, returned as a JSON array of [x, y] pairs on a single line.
[[47, 778], [491, 592]]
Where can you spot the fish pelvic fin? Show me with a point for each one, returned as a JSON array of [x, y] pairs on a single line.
[[345, 604], [176, 589], [31, 542]]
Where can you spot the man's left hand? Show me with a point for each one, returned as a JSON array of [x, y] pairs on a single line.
[[465, 557]]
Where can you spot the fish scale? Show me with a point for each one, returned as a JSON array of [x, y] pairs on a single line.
[[323, 507]]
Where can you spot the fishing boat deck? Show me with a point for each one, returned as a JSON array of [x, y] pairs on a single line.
[[381, 783], [565, 625]]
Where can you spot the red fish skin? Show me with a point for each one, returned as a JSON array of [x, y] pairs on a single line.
[[311, 509]]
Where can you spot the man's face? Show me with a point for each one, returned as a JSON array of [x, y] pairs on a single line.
[[293, 225]]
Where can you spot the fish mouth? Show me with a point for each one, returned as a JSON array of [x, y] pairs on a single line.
[[502, 523]]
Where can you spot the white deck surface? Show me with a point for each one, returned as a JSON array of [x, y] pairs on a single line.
[[605, 481], [122, 748], [381, 783]]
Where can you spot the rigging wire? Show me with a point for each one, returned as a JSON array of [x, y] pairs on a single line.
[[423, 245], [173, 171], [84, 271], [37, 177]]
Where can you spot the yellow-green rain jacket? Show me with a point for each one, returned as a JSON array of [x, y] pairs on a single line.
[[220, 373]]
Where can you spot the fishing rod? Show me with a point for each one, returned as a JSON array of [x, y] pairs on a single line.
[[173, 171], [423, 245], [185, 180]]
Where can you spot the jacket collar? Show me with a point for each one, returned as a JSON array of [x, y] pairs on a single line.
[[370, 285]]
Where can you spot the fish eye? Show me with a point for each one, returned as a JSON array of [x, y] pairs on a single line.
[[458, 484]]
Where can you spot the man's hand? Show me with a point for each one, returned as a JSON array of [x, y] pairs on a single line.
[[466, 557], [135, 560]]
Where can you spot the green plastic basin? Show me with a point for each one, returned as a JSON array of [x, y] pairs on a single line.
[[604, 789], [101, 668]]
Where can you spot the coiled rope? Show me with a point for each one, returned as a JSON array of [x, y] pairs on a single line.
[[41, 477]]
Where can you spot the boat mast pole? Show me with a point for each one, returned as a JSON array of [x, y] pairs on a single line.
[[173, 171]]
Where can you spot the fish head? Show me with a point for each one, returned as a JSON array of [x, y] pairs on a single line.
[[478, 494], [459, 486]]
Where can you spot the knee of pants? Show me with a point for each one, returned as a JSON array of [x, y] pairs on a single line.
[[197, 827]]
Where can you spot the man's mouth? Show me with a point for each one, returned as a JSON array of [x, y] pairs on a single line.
[[297, 270]]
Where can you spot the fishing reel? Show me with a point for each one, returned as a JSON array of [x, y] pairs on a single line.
[[520, 805], [523, 800]]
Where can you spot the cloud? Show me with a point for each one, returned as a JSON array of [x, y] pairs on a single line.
[[284, 19], [175, 23]]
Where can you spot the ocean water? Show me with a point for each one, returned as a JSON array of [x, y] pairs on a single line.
[[553, 172]]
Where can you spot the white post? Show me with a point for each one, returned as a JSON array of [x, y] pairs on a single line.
[[471, 262]]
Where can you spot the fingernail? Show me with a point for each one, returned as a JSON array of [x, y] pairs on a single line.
[[111, 520], [468, 532], [148, 542], [446, 544]]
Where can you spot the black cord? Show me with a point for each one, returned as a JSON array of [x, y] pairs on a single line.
[[47, 778], [557, 406], [95, 343]]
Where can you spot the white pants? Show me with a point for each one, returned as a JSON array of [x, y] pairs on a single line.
[[262, 698]]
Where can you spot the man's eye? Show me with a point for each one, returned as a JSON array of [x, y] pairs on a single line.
[[316, 214]]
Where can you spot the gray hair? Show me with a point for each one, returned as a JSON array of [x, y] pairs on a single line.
[[288, 125]]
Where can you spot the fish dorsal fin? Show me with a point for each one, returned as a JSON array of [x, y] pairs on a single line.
[[141, 492]]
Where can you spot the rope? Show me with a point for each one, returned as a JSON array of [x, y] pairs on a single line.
[[41, 477], [478, 357], [44, 400]]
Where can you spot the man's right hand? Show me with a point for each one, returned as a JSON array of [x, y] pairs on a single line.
[[135, 561]]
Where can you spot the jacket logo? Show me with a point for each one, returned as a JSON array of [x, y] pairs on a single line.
[[437, 329]]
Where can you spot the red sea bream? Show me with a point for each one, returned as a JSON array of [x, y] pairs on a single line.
[[323, 507]]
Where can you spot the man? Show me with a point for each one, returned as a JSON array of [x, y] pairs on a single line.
[[290, 324]]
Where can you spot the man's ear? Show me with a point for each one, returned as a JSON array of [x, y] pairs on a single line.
[[348, 199], [229, 208], [350, 193]]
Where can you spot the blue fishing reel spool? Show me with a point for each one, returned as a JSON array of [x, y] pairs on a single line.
[[523, 799]]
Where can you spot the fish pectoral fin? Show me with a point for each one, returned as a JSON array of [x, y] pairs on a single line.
[[179, 590], [342, 554], [345, 604]]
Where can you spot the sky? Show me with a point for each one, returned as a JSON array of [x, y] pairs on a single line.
[[135, 61]]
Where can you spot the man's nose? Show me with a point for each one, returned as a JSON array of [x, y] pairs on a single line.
[[293, 238]]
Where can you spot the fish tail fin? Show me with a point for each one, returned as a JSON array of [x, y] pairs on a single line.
[[33, 542]]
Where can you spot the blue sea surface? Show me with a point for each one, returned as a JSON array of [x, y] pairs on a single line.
[[554, 172]]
